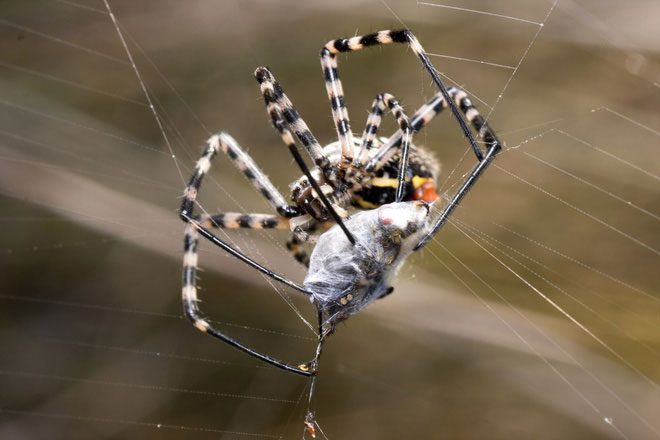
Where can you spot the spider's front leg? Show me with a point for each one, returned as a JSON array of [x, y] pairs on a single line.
[[281, 111], [335, 90], [381, 102], [494, 146], [283, 116], [430, 110]]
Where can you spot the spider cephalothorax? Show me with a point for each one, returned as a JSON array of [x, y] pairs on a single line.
[[363, 189]]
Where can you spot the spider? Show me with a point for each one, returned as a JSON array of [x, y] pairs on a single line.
[[390, 179]]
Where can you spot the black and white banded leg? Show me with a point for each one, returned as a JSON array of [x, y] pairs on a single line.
[[421, 118], [484, 132], [279, 107], [236, 220], [196, 225], [371, 128], [283, 116], [493, 147], [381, 102], [426, 113], [228, 145], [335, 90]]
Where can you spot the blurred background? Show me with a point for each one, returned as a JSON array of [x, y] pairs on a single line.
[[534, 314]]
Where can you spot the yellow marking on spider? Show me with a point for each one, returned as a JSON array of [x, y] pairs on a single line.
[[419, 181], [384, 182], [389, 182], [363, 203]]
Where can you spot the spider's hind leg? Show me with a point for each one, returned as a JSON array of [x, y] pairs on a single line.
[[196, 225]]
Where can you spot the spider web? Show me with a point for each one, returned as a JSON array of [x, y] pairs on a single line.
[[534, 313]]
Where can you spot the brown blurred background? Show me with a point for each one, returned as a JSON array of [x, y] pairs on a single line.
[[93, 342]]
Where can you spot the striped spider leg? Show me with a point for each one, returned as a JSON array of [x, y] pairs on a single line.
[[373, 157], [418, 121], [373, 122], [457, 106], [200, 224], [493, 145], [427, 112], [336, 93]]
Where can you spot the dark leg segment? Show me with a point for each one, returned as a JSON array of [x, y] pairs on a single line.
[[235, 220], [293, 244], [190, 300], [494, 147], [281, 124]]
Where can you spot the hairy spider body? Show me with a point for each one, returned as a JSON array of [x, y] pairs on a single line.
[[420, 179], [362, 189]]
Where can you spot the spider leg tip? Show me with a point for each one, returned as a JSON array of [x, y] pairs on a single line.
[[309, 424], [262, 73]]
